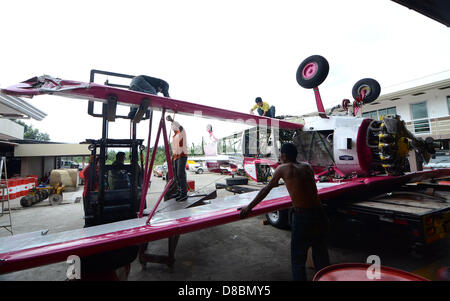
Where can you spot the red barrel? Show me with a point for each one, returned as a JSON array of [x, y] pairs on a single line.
[[12, 188], [3, 195], [23, 187], [358, 272], [31, 184], [191, 185], [35, 179]]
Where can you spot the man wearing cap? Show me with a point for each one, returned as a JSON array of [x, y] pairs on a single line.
[[263, 108], [179, 157]]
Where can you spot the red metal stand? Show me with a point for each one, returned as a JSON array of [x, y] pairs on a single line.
[[149, 165]]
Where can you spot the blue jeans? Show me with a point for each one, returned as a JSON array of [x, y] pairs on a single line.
[[269, 113], [309, 229], [139, 84]]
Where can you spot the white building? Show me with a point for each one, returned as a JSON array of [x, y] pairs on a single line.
[[29, 157], [424, 105]]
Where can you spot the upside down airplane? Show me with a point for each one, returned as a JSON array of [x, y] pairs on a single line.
[[113, 224]]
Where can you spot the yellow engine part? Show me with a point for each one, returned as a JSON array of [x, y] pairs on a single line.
[[403, 147]]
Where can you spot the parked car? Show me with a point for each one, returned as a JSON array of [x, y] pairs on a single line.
[[158, 171], [198, 167], [164, 170], [69, 164], [439, 160]]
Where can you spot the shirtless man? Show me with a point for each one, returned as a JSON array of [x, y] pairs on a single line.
[[309, 221]]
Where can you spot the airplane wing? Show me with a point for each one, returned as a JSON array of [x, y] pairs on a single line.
[[38, 248], [96, 92]]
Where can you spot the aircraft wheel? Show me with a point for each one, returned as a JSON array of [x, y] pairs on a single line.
[[312, 71], [371, 88]]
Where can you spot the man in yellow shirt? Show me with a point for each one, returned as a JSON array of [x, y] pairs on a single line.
[[263, 108]]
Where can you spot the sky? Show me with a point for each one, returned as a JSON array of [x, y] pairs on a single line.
[[216, 53]]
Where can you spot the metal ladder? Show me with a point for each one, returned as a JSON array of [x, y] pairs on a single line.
[[4, 186]]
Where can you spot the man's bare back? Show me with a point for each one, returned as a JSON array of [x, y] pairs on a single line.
[[308, 226], [300, 183]]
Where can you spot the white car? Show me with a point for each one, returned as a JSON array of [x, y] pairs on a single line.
[[439, 161], [198, 167]]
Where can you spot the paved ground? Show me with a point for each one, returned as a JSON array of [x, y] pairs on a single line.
[[244, 250]]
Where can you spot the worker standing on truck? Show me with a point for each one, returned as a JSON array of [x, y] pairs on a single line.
[[309, 221], [263, 108], [179, 157], [150, 85]]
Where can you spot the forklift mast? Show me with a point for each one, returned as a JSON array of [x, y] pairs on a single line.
[[105, 205]]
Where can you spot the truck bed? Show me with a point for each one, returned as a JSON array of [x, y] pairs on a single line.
[[411, 202]]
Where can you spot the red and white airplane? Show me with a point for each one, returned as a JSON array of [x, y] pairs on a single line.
[[356, 168]]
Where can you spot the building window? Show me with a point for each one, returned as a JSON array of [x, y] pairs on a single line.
[[387, 111], [420, 117], [380, 113], [371, 114]]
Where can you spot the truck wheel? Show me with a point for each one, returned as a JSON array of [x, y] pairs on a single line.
[[279, 219], [312, 71], [237, 181], [199, 171], [55, 199], [371, 88]]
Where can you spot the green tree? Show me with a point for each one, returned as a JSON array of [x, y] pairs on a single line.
[[30, 133]]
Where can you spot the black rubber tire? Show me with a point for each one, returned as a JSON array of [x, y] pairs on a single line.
[[279, 219], [374, 89], [320, 75], [199, 171], [237, 181], [55, 199], [26, 201], [44, 194]]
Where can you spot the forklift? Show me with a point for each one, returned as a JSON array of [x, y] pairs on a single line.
[[102, 202]]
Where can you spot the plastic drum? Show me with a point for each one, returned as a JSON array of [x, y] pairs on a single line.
[[358, 272], [12, 188]]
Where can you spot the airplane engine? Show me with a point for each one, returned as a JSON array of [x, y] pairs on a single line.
[[392, 142]]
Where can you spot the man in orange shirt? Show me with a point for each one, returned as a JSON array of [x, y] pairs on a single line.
[[179, 157]]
